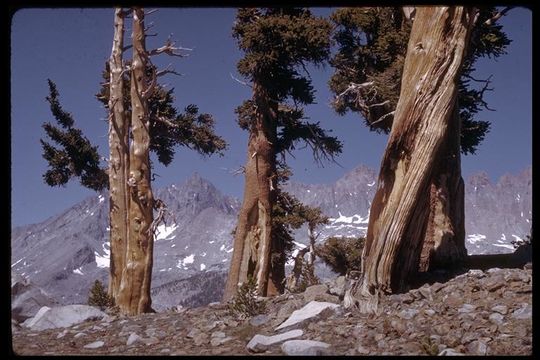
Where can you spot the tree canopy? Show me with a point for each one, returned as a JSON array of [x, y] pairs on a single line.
[[372, 43]]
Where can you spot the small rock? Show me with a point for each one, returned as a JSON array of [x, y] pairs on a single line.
[[399, 326], [259, 320], [193, 332], [436, 287], [150, 341], [477, 347], [78, 335], [260, 343], [200, 339], [450, 352], [523, 313], [466, 308], [429, 312], [166, 350], [496, 318], [304, 347], [62, 334], [501, 309], [493, 270], [310, 311], [132, 338], [337, 286], [478, 274], [426, 293], [407, 314], [362, 350], [94, 345]]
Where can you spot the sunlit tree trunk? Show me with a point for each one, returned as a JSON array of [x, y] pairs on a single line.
[[118, 160], [134, 297], [253, 237], [423, 119]]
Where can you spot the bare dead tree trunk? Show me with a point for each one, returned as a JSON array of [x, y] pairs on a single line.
[[253, 238], [118, 159], [134, 297], [400, 210]]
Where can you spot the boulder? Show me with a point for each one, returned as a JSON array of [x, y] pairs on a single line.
[[27, 299], [310, 311], [63, 316], [304, 347], [260, 343], [337, 286]]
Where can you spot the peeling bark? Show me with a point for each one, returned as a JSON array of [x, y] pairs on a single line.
[[134, 296], [253, 238], [118, 159], [423, 119], [444, 238]]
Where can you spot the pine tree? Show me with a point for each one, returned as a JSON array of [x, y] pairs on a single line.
[[368, 80], [277, 43], [423, 149]]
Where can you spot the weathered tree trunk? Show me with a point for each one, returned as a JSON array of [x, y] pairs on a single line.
[[444, 238], [423, 118], [118, 159], [134, 297], [253, 238]]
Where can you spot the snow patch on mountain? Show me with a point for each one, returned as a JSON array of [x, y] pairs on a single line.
[[164, 231]]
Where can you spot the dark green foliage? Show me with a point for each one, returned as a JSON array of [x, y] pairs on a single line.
[[307, 277], [290, 214], [245, 304], [372, 44], [342, 254], [74, 155], [168, 126], [278, 43], [98, 296]]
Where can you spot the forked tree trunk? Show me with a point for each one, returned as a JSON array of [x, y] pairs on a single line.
[[119, 159], [134, 297], [253, 237], [423, 118]]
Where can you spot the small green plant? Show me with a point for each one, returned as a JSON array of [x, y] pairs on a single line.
[[99, 297], [429, 346], [342, 254], [245, 303], [307, 277]]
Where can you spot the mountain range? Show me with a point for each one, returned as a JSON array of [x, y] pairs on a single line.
[[66, 253]]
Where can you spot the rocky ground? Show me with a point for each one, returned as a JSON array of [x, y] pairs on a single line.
[[474, 313]]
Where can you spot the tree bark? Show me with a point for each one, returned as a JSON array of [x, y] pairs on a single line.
[[253, 238], [118, 159], [444, 238], [134, 297], [423, 118]]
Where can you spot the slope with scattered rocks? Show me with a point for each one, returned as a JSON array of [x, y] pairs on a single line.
[[473, 313]]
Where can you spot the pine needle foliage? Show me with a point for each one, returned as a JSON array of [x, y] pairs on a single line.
[[245, 303], [342, 254], [73, 156], [372, 44], [98, 296]]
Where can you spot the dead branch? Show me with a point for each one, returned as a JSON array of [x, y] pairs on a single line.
[[169, 49], [240, 81], [168, 70], [498, 15]]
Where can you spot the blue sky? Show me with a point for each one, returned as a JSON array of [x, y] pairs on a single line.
[[70, 46]]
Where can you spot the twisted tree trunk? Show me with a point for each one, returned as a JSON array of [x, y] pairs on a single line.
[[423, 119], [253, 237], [118, 159], [444, 238], [134, 296]]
